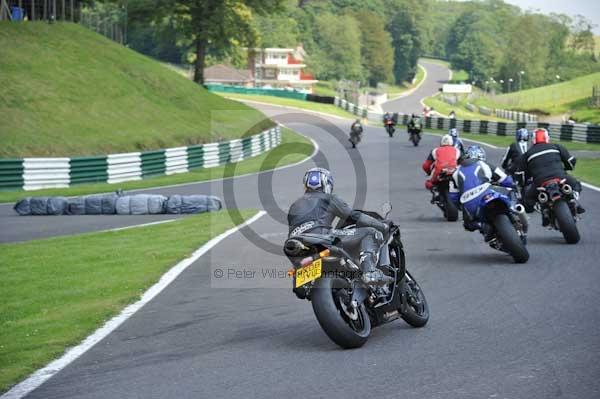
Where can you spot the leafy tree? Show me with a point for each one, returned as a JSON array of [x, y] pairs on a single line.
[[407, 42], [337, 55], [376, 48]]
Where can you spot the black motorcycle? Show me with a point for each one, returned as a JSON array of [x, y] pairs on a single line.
[[556, 201], [346, 308], [355, 137], [440, 195], [414, 132]]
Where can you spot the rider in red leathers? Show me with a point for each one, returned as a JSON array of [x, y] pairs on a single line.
[[440, 158]]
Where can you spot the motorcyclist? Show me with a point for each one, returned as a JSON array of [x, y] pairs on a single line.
[[515, 151], [456, 141], [355, 130], [452, 115], [545, 161], [444, 156], [473, 172], [315, 210], [414, 123], [388, 117]]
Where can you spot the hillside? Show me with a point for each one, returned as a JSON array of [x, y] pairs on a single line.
[[66, 91], [560, 98]]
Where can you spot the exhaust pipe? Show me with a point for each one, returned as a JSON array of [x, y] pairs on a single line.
[[542, 197], [567, 189], [519, 209], [293, 247]]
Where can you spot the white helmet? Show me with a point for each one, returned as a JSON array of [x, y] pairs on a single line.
[[446, 140], [318, 179]]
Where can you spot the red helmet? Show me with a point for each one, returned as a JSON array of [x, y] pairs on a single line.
[[541, 136]]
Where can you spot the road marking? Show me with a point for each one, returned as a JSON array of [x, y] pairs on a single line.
[[42, 375], [138, 225], [591, 187]]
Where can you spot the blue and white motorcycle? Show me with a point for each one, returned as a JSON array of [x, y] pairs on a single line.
[[501, 217]]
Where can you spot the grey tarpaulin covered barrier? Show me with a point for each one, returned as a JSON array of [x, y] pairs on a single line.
[[193, 204], [117, 203]]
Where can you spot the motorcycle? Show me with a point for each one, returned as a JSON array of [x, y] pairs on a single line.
[[389, 127], [556, 202], [415, 133], [440, 195], [346, 308], [355, 137], [497, 208]]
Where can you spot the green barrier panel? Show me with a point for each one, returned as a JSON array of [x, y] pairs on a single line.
[[88, 169], [195, 156], [11, 174], [257, 91], [153, 163], [224, 153]]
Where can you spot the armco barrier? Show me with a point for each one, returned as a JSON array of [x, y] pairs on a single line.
[[37, 173], [560, 132]]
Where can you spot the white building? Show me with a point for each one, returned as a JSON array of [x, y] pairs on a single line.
[[281, 68]]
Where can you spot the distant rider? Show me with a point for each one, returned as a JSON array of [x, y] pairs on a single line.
[[473, 172], [356, 127], [444, 156], [513, 154], [456, 141], [315, 210], [545, 161]]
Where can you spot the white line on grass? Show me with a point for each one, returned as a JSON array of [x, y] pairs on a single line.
[[139, 225], [40, 376]]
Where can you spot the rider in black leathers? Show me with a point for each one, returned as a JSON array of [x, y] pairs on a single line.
[[315, 210], [544, 161]]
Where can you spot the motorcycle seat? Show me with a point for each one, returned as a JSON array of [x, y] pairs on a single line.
[[315, 239]]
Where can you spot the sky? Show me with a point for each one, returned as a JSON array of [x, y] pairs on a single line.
[[588, 8]]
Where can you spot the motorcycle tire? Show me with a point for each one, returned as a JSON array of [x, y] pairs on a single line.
[[566, 222], [451, 211], [338, 327], [510, 239], [415, 316]]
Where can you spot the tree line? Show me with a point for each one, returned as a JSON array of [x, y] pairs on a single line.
[[371, 41]]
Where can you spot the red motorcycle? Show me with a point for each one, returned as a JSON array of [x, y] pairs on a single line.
[[441, 197]]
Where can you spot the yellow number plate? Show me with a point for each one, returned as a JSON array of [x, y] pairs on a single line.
[[308, 273]]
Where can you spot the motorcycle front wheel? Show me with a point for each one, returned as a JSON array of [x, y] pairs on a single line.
[[510, 239], [329, 297], [415, 310]]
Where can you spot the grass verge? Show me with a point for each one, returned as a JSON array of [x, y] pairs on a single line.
[[290, 102], [505, 141], [588, 170], [68, 91], [461, 113], [54, 292], [278, 156]]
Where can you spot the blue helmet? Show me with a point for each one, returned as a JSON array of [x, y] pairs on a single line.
[[475, 152], [522, 135], [318, 179], [453, 132]]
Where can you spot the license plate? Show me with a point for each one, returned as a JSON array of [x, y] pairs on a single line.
[[308, 273]]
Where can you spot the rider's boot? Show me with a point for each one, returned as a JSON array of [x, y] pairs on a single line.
[[488, 232], [371, 275], [545, 218], [578, 206]]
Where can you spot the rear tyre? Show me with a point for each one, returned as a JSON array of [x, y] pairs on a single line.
[[416, 310], [451, 210], [327, 295], [566, 222], [510, 239]]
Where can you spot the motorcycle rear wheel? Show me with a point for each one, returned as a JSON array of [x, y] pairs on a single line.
[[451, 211], [510, 239], [566, 222], [326, 304]]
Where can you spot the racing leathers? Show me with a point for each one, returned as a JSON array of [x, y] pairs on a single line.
[[315, 211], [512, 156], [458, 144], [543, 162], [439, 159], [471, 174]]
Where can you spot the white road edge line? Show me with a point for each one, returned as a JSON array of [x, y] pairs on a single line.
[[591, 187], [43, 374], [137, 225]]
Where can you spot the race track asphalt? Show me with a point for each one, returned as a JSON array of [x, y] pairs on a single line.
[[497, 329]]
